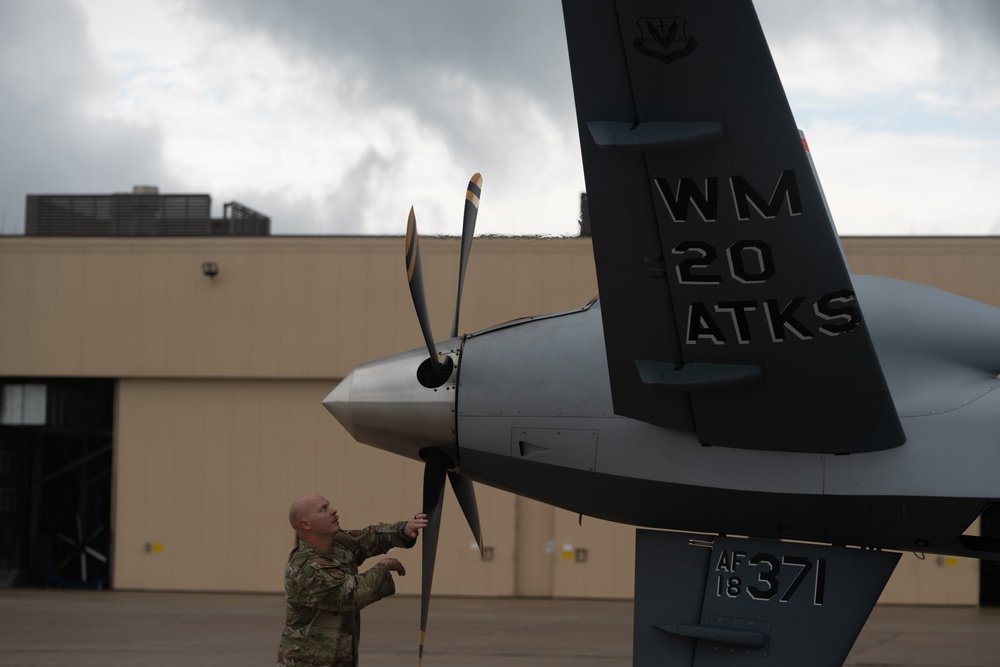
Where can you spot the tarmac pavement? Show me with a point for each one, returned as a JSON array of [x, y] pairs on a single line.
[[46, 628]]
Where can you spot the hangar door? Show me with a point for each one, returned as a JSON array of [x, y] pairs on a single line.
[[55, 481]]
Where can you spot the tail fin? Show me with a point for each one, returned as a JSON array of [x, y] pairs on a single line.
[[733, 602], [727, 303]]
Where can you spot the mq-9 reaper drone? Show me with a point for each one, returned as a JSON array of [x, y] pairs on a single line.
[[732, 379]]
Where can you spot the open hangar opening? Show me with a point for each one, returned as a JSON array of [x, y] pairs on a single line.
[[190, 409]]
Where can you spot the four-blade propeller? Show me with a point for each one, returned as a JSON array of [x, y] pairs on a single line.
[[433, 373]]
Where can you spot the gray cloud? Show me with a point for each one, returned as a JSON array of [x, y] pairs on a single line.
[[969, 30], [48, 77], [400, 54], [966, 31], [346, 205], [517, 42], [408, 53]]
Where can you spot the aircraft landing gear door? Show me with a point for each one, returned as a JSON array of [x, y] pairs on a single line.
[[732, 602]]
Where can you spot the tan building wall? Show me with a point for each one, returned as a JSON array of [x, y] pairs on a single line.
[[218, 416], [206, 470], [280, 307], [219, 423]]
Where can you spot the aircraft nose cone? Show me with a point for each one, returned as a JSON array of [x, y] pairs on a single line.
[[381, 403], [339, 403]]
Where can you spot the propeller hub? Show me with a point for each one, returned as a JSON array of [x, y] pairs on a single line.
[[383, 404]]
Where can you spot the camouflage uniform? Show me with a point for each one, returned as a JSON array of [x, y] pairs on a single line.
[[325, 594]]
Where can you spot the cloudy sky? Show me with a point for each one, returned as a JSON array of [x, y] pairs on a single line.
[[334, 116]]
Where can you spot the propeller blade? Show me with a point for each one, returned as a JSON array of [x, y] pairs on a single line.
[[466, 494], [434, 472], [468, 230], [415, 277]]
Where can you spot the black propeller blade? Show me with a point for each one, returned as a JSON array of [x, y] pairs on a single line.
[[464, 490], [468, 230], [435, 467], [437, 464], [415, 277], [466, 494]]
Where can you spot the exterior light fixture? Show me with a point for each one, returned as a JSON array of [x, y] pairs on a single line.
[[210, 269]]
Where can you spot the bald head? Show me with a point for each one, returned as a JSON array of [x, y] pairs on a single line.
[[300, 508], [313, 519]]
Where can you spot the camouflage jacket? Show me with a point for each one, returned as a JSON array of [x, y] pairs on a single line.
[[325, 594]]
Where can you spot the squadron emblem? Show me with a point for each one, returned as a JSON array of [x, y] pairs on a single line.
[[664, 38]]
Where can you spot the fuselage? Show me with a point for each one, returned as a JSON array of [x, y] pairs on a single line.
[[529, 410]]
